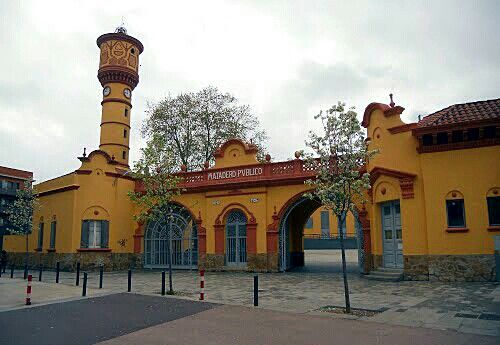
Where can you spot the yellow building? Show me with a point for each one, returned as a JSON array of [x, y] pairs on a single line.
[[433, 207]]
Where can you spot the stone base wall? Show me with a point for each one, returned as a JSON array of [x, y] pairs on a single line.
[[89, 261], [450, 267], [272, 262], [214, 262], [257, 262], [377, 261]]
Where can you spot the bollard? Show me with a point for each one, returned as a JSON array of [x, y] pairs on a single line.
[[77, 273], [84, 290], [40, 270], [1, 269], [129, 280], [255, 290], [28, 290], [202, 285], [25, 272], [163, 283], [57, 271], [12, 271], [101, 272]]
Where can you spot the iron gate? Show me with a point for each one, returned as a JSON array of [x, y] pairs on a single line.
[[236, 239], [176, 232]]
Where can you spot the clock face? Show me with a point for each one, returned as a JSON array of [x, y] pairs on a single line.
[[106, 91], [127, 93]]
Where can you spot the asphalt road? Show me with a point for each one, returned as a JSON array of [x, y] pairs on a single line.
[[92, 320], [124, 319]]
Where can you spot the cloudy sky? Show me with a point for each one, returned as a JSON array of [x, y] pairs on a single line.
[[286, 59]]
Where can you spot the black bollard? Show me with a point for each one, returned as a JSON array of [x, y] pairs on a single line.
[[84, 291], [101, 272], [1, 269], [57, 271], [77, 273], [40, 270], [12, 271], [129, 281], [163, 283], [256, 290]]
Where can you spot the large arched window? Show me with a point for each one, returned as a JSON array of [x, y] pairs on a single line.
[[177, 231], [236, 238]]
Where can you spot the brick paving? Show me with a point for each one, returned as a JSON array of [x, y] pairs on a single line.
[[464, 307]]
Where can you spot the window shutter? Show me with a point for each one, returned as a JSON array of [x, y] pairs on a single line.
[[104, 233], [85, 234], [53, 235]]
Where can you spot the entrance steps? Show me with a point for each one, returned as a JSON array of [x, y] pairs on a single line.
[[386, 274]]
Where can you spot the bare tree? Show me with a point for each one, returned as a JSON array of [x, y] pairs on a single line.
[[194, 125]]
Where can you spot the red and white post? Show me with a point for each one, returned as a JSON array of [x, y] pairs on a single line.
[[28, 290], [202, 285]]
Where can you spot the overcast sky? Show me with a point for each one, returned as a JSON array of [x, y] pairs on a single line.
[[286, 59]]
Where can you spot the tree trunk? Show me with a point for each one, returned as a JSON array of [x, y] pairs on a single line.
[[344, 268]]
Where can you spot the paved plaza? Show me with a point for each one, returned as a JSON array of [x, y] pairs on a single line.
[[463, 307]]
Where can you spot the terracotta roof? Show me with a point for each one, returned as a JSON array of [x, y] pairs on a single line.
[[463, 113]]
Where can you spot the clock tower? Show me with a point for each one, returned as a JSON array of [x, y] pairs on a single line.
[[119, 75]]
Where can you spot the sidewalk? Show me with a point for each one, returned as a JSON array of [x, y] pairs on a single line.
[[464, 307]]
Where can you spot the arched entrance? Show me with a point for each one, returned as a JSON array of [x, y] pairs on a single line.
[[176, 232], [293, 217]]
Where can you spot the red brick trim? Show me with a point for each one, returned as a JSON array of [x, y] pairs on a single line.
[[232, 206], [115, 144], [220, 225], [494, 228], [115, 122], [459, 146], [83, 172], [457, 230], [117, 100], [406, 180], [272, 234], [138, 236], [59, 190], [403, 128], [93, 249]]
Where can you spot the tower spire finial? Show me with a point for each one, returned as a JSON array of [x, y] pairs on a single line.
[[392, 104]]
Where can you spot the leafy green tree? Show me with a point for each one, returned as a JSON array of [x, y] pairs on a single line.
[[339, 156], [156, 169], [194, 125], [20, 214]]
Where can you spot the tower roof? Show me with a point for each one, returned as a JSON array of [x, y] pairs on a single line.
[[120, 34]]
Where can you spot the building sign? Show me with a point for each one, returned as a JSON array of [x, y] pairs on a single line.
[[229, 174]]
